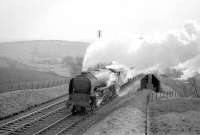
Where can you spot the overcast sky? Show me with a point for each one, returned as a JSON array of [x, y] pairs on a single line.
[[80, 19]]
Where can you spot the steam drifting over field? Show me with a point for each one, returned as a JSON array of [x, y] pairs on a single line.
[[178, 50]]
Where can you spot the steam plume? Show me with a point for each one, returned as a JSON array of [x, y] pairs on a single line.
[[178, 49]]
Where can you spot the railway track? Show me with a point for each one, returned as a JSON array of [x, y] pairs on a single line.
[[53, 119], [57, 127], [23, 122], [60, 125], [66, 123]]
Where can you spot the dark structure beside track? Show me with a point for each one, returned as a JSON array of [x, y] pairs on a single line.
[[150, 81]]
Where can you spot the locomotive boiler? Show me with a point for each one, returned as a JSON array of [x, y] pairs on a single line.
[[89, 90]]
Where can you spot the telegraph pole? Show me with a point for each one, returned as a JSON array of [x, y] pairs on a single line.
[[99, 33]]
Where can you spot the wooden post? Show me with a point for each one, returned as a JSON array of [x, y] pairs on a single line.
[[99, 33]]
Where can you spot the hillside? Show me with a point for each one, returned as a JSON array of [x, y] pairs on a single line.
[[11, 63], [43, 55], [12, 71], [16, 74], [12, 79]]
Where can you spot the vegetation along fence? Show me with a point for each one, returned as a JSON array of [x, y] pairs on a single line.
[[32, 84], [163, 95]]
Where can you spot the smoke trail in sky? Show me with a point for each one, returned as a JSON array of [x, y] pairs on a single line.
[[178, 49]]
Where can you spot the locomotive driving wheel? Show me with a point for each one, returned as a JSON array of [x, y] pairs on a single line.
[[74, 110], [93, 103]]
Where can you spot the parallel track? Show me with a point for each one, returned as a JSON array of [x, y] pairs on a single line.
[[57, 126], [27, 120], [63, 125], [66, 123], [60, 126]]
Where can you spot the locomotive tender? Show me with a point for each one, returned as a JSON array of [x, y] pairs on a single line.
[[89, 90]]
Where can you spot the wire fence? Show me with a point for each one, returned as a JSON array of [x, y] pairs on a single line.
[[163, 95], [131, 80], [32, 84]]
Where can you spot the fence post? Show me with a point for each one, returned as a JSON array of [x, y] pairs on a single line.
[[50, 83], [53, 82], [18, 86], [43, 84], [11, 87], [38, 84], [32, 85], [156, 96]]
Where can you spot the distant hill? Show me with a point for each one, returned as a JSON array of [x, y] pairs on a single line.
[[27, 50]]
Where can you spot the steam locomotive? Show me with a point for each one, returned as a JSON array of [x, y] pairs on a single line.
[[89, 90]]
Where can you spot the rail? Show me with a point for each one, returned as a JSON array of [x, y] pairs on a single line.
[[30, 118]]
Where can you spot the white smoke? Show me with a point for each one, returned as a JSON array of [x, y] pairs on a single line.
[[178, 49], [190, 68], [125, 72]]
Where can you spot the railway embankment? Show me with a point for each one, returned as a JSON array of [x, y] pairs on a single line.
[[12, 103]]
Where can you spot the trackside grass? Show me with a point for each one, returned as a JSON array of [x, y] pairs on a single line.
[[20, 100]]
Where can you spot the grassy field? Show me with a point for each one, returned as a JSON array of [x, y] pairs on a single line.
[[183, 89], [11, 75], [15, 75], [175, 116], [29, 70], [16, 101], [12, 79]]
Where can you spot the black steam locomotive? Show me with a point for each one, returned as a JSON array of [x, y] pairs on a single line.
[[90, 90]]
